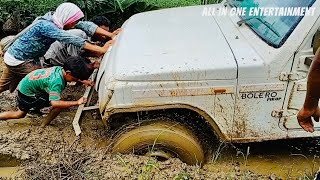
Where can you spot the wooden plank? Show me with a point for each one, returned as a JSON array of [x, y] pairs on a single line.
[[88, 94], [75, 123], [76, 119]]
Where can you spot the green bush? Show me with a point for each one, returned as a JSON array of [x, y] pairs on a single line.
[[26, 8], [179, 3], [23, 12], [173, 3], [116, 10]]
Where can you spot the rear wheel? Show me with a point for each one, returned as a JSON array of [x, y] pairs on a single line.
[[161, 139]]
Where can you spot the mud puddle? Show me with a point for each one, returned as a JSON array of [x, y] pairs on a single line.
[[8, 166], [23, 142], [286, 159]]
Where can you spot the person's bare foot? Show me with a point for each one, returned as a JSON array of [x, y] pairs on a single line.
[[305, 120]]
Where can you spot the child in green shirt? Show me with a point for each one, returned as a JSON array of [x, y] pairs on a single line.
[[43, 87]]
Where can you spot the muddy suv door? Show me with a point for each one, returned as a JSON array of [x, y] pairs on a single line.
[[297, 88]]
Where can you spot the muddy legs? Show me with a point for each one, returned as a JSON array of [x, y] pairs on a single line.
[[53, 114], [12, 115]]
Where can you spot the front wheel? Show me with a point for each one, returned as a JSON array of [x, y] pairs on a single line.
[[161, 139]]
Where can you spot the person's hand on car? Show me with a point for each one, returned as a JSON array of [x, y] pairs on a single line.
[[305, 118], [96, 65], [108, 44], [87, 82], [116, 32]]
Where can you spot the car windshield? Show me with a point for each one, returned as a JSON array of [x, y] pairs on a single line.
[[276, 28]]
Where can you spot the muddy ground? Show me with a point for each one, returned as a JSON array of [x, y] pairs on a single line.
[[30, 152], [31, 145]]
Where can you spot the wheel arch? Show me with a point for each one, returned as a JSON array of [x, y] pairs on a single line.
[[109, 114]]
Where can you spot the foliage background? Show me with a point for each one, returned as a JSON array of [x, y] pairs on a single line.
[[19, 13], [179, 3]]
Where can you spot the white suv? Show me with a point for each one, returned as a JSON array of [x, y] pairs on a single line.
[[181, 75]]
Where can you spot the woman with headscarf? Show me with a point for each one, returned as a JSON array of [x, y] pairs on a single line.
[[23, 55]]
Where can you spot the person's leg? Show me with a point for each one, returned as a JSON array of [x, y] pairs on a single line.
[[23, 106], [24, 103], [53, 114], [43, 101], [12, 115], [20, 72], [6, 79], [14, 83]]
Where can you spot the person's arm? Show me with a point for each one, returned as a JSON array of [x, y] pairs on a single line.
[[55, 90], [87, 82], [102, 32], [67, 104], [117, 31], [87, 26], [53, 32], [58, 105], [55, 97], [310, 108], [98, 49], [91, 29], [67, 38], [95, 65]]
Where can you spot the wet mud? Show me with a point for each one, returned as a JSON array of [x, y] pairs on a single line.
[[285, 159], [8, 166], [27, 146], [26, 151]]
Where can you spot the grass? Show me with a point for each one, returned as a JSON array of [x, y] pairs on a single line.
[[183, 176], [70, 165], [147, 170], [173, 3], [245, 156], [218, 152], [179, 3]]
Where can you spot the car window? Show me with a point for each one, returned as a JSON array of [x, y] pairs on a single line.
[[275, 29]]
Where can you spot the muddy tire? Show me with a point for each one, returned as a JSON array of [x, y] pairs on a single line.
[[162, 139]]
